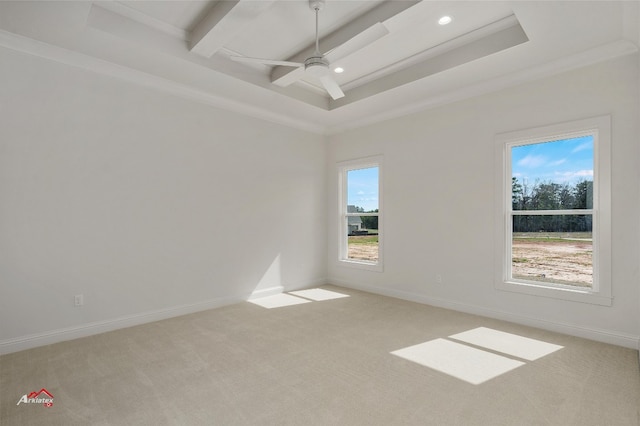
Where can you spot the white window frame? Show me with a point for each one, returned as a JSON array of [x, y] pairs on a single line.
[[600, 127], [343, 249]]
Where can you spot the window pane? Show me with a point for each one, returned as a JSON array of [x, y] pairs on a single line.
[[362, 244], [362, 190], [555, 175], [555, 249], [362, 231]]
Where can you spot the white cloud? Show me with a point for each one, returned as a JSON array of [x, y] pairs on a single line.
[[584, 173], [558, 162], [572, 175], [532, 161], [582, 147]]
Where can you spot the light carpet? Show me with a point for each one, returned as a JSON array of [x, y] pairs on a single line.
[[330, 361]]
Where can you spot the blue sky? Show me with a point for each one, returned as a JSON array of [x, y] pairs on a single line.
[[562, 161], [362, 188]]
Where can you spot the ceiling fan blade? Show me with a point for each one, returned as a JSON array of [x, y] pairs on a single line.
[[266, 61], [357, 42], [331, 87]]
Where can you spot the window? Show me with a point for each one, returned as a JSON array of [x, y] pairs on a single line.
[[555, 211], [361, 214]]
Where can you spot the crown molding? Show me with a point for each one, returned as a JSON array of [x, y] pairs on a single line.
[[89, 63], [593, 56], [16, 42]]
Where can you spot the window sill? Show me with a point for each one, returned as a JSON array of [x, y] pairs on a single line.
[[573, 295]]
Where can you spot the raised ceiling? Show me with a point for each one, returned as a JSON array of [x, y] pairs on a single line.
[[396, 57]]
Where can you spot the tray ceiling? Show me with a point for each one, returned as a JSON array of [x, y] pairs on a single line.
[[396, 57]]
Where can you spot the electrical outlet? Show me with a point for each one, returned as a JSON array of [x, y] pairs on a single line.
[[439, 279], [78, 300]]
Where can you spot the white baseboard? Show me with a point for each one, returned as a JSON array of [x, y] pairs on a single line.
[[605, 336], [54, 336], [271, 291], [60, 335], [310, 284]]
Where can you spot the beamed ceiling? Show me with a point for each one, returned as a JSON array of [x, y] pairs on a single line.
[[396, 57]]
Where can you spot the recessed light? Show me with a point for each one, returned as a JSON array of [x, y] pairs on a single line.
[[338, 70], [445, 20]]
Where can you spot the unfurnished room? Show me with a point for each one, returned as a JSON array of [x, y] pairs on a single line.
[[319, 212]]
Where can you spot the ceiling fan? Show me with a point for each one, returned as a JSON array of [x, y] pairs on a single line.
[[317, 65]]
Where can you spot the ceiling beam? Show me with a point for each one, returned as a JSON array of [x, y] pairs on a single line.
[[223, 22], [487, 40], [284, 76]]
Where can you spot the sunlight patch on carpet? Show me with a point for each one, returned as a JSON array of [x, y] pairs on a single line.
[[278, 301], [507, 343], [318, 294], [472, 365]]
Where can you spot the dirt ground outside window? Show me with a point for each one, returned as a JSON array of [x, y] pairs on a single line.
[[560, 259], [363, 247]]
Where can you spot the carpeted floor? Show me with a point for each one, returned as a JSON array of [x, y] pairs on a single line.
[[324, 362]]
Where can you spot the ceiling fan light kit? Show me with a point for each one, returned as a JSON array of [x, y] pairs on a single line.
[[316, 65]]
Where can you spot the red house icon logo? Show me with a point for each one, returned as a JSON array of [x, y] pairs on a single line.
[[43, 397]]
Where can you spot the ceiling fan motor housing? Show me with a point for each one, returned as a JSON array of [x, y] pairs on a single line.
[[317, 66]]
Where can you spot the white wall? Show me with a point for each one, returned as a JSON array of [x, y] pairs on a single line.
[[147, 204], [152, 206], [637, 39], [439, 194]]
